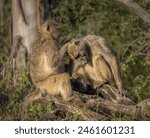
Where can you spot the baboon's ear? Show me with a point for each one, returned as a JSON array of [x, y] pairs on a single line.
[[48, 28], [77, 42]]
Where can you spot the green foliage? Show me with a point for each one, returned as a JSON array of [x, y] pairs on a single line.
[[106, 18], [127, 33], [136, 67], [14, 93], [4, 37], [142, 88], [37, 110]]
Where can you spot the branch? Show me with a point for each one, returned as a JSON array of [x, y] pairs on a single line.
[[84, 105], [144, 15], [13, 53], [134, 110], [77, 107]]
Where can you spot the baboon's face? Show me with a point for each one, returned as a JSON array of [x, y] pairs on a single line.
[[50, 29], [77, 50], [82, 57]]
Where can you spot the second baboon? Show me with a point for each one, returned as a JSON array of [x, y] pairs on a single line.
[[46, 68], [102, 66]]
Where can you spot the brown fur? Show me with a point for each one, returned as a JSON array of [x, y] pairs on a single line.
[[102, 65], [46, 67]]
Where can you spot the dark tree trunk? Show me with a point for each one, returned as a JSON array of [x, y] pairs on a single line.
[[1, 14]]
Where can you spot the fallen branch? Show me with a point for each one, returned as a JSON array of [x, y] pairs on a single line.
[[112, 101], [108, 99], [14, 49], [114, 107], [77, 107]]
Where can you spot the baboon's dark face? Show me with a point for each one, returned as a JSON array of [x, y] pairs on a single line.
[[78, 51], [82, 56], [51, 29]]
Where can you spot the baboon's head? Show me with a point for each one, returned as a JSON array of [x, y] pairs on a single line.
[[50, 29], [79, 51]]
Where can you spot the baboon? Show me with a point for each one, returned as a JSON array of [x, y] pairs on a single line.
[[102, 63], [46, 68]]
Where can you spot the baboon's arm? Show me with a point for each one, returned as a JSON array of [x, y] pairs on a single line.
[[63, 50]]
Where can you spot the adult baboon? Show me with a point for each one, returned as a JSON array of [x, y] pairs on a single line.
[[46, 67], [103, 63]]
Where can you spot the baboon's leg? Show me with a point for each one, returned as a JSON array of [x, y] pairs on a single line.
[[58, 84], [101, 47], [116, 72], [112, 60], [66, 90], [102, 69], [29, 99]]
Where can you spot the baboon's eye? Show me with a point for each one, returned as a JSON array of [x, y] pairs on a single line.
[[48, 28]]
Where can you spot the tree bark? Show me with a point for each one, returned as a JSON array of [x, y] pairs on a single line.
[[25, 22], [1, 14], [144, 15], [85, 105]]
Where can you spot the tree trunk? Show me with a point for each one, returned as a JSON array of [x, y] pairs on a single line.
[[25, 21], [1, 14]]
